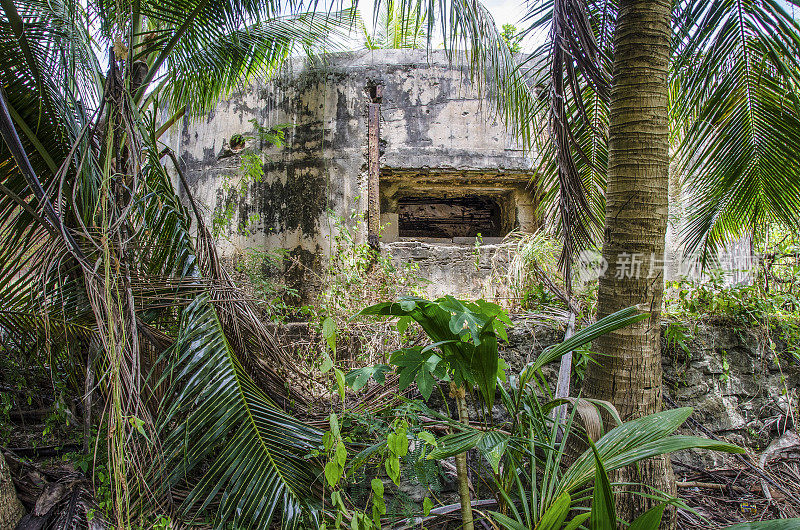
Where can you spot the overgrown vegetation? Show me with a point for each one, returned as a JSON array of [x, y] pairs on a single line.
[[765, 297], [109, 294], [510, 450]]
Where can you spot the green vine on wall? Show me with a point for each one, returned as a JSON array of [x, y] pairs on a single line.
[[234, 188]]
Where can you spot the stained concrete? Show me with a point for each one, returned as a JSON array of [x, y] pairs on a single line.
[[438, 136]]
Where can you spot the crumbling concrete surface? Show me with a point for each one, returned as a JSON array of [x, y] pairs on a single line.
[[437, 133]]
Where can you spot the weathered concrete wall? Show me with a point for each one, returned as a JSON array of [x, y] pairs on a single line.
[[431, 118], [728, 374], [734, 381], [461, 270]]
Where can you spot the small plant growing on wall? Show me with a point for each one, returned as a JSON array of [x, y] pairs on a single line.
[[234, 188]]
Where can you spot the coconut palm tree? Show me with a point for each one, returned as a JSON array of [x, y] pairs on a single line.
[[615, 83], [635, 225], [731, 69], [98, 257], [395, 28]]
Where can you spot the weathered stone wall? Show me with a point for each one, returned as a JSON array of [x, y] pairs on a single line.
[[431, 119], [728, 374], [733, 380], [462, 270]]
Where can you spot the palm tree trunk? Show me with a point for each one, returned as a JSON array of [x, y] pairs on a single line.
[[11, 510], [629, 369]]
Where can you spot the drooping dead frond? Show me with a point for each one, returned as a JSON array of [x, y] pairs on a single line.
[[573, 78]]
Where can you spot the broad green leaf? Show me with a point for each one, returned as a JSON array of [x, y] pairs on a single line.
[[500, 329], [456, 443], [378, 504], [327, 440], [649, 520], [507, 522], [329, 334], [376, 513], [332, 473], [502, 366], [484, 364], [577, 521], [556, 513], [327, 363], [637, 440], [402, 324], [427, 437], [603, 513], [341, 454], [398, 442], [425, 383], [416, 364], [393, 468], [461, 317], [328, 328], [333, 421], [427, 506], [492, 446], [490, 310], [377, 487], [383, 309], [408, 304], [340, 382], [336, 499], [357, 379]]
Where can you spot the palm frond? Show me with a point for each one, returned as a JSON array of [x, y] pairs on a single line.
[[199, 73], [258, 452], [397, 26], [736, 115], [573, 77]]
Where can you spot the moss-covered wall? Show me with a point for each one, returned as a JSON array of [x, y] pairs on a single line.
[[431, 118]]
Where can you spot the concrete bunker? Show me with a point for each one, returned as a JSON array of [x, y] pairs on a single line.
[[439, 206], [447, 217], [400, 137]]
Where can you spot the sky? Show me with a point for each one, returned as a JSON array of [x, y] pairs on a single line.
[[504, 11]]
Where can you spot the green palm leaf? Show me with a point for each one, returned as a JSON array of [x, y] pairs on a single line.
[[736, 112], [214, 413], [634, 441], [201, 70], [396, 27]]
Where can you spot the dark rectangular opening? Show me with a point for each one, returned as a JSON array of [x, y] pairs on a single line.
[[437, 217]]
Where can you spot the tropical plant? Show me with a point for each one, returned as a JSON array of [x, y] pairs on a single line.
[[545, 501], [528, 453], [463, 353], [539, 481], [397, 26], [97, 257], [735, 88], [208, 392], [730, 67], [512, 38], [635, 226], [602, 512]]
